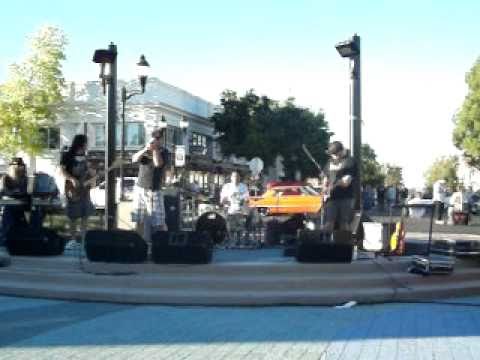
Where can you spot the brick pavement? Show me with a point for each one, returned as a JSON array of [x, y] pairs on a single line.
[[42, 329]]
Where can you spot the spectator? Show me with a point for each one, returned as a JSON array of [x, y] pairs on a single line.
[[439, 196]]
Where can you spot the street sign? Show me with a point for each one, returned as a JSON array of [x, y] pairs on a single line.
[[180, 155]]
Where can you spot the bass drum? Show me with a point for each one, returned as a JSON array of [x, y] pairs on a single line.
[[214, 224]]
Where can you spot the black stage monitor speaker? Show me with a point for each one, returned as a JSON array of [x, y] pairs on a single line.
[[33, 241], [181, 247], [321, 247], [116, 246]]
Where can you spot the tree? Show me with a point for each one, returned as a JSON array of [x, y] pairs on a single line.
[[443, 168], [254, 125], [371, 169], [31, 96], [393, 175], [467, 121]]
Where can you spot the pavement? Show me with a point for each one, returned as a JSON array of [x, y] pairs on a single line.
[[435, 329], [46, 329]]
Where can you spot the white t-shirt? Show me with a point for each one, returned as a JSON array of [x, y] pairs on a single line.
[[438, 191], [237, 195]]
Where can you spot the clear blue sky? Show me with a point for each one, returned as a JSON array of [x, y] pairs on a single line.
[[414, 57]]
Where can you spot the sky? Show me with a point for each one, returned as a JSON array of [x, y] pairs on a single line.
[[415, 55]]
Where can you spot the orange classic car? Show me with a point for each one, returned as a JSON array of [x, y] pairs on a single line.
[[285, 198]]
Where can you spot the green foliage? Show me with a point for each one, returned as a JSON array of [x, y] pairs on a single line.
[[31, 96], [466, 134], [443, 168], [258, 126], [371, 170], [393, 175]]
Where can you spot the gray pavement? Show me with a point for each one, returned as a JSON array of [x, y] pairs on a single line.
[[42, 329]]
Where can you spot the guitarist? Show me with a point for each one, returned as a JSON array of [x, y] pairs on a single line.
[[338, 175], [74, 167]]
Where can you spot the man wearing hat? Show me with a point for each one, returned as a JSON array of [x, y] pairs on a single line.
[[338, 173], [13, 185]]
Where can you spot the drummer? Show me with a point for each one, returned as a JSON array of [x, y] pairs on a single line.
[[13, 185], [234, 196]]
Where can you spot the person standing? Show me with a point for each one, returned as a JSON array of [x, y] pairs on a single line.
[[439, 197], [339, 174], [234, 197], [149, 201], [76, 171], [13, 185]]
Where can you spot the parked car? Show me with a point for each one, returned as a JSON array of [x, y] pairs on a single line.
[[287, 198], [474, 202], [97, 194]]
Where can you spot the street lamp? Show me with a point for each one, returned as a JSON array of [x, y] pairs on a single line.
[[351, 49], [143, 69], [107, 58]]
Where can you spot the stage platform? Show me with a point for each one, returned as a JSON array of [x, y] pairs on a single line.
[[235, 277]]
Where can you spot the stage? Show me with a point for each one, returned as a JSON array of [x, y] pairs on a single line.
[[236, 277]]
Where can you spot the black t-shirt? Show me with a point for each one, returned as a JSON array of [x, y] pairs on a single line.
[[149, 176], [335, 171], [74, 167]]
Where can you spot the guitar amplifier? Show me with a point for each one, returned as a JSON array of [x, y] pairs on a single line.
[[172, 203]]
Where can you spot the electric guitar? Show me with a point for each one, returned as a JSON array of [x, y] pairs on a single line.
[[82, 190], [327, 192]]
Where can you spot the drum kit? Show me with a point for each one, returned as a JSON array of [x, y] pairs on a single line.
[[226, 231]]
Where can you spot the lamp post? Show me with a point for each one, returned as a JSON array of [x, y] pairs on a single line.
[[351, 49], [107, 58], [142, 72]]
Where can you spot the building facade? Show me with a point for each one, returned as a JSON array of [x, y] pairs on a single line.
[[162, 105]]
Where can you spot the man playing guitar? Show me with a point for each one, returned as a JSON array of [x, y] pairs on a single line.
[[338, 175], [74, 167]]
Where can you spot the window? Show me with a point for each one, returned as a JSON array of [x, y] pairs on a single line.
[[134, 134], [198, 144], [50, 137], [199, 140], [99, 131], [174, 136]]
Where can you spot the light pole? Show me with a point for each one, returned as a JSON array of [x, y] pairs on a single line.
[[142, 72], [107, 58], [351, 49]]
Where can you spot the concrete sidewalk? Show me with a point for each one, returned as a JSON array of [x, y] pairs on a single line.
[[44, 329]]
